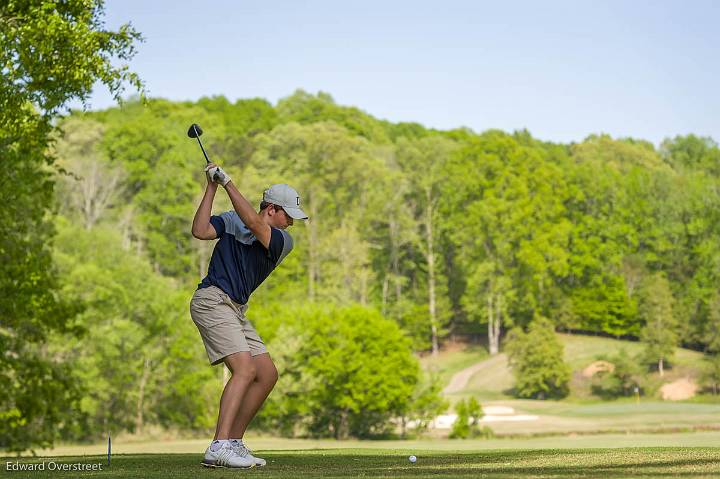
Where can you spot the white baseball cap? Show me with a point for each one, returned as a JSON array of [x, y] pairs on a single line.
[[285, 196]]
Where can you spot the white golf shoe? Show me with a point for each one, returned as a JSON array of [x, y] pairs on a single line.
[[240, 448], [225, 456]]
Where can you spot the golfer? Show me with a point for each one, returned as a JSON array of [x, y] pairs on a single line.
[[251, 244]]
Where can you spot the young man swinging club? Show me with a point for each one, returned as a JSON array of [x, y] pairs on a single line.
[[251, 244]]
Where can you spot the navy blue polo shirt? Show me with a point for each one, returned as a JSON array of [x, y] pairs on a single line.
[[240, 263]]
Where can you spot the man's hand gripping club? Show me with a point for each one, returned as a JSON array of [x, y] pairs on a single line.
[[215, 174]]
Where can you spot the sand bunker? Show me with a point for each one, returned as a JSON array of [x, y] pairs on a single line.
[[684, 388], [596, 367]]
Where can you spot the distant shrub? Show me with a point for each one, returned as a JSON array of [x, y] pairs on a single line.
[[536, 359], [711, 374], [467, 424], [621, 381], [426, 404]]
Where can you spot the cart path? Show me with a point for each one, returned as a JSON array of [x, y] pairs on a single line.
[[494, 365]]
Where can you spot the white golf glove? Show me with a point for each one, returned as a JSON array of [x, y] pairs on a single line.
[[217, 174]]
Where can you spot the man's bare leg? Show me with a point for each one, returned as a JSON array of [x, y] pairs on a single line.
[[265, 378], [242, 368]]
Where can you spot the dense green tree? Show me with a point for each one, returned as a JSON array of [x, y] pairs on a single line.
[[536, 360], [693, 265], [423, 163], [161, 184], [659, 335], [613, 227], [304, 108], [692, 152], [505, 203], [345, 372], [394, 236], [51, 53]]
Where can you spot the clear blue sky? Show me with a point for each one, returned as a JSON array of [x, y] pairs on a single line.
[[561, 69]]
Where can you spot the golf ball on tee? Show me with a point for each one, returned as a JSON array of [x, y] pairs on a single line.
[[412, 459]]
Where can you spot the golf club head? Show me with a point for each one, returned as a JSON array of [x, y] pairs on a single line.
[[194, 131]]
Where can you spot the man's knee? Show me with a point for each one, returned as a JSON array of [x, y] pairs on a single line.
[[268, 375], [273, 376], [246, 374], [241, 367]]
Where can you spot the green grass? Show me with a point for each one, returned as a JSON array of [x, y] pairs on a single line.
[[552, 463], [265, 443]]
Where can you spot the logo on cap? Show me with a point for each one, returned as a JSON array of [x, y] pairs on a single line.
[[280, 195]]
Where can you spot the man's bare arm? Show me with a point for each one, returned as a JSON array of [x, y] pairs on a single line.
[[201, 226], [248, 215]]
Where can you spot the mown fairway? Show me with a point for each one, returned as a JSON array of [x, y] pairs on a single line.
[[549, 463]]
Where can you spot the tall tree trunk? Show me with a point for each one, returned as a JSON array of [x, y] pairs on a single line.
[[139, 423], [660, 367], [499, 311], [385, 287], [98, 186], [490, 319], [341, 425], [430, 257], [395, 258], [89, 190], [494, 322], [492, 340]]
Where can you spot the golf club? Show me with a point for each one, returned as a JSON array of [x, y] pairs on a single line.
[[194, 132]]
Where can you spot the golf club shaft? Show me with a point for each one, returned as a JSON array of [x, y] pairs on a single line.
[[203, 149]]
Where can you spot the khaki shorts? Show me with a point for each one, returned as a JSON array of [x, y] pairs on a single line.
[[223, 326]]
